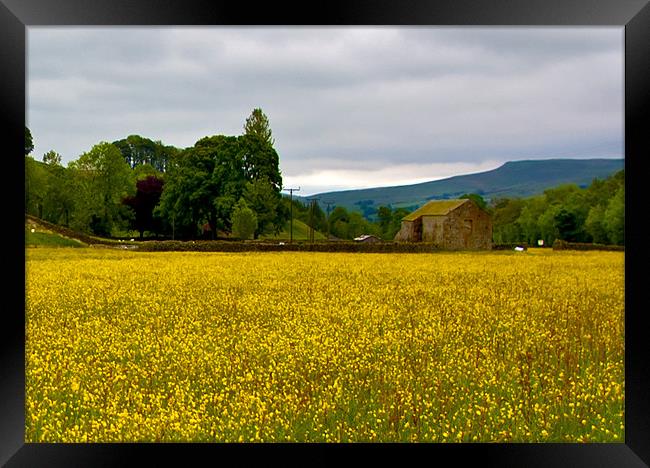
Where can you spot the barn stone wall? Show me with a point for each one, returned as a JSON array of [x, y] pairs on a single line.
[[433, 228], [405, 234], [466, 227]]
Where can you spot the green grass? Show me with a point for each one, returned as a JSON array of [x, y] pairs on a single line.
[[48, 239], [300, 232]]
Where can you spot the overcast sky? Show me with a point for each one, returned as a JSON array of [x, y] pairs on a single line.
[[349, 107]]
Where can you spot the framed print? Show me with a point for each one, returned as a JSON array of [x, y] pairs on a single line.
[[136, 86]]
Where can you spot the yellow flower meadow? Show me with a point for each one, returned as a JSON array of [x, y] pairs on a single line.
[[281, 346]]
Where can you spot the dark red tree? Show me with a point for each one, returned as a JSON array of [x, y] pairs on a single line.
[[147, 196]]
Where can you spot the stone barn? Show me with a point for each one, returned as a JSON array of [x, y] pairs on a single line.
[[450, 224]]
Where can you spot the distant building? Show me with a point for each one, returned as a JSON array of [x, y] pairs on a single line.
[[450, 224], [367, 238]]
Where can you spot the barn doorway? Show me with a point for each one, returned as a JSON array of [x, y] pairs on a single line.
[[417, 230]]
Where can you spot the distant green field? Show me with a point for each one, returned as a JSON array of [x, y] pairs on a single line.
[[48, 239], [300, 232]]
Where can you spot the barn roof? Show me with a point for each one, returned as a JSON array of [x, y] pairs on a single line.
[[435, 208]]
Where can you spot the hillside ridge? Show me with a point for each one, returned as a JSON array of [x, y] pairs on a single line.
[[513, 179]]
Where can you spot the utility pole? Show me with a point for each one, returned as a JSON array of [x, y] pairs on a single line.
[[311, 218], [291, 190], [328, 203]]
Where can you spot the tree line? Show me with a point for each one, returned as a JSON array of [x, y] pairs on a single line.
[[231, 185], [222, 184], [592, 214]]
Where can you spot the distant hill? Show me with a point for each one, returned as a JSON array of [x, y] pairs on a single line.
[[512, 179]]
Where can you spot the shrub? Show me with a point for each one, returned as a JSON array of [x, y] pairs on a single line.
[[244, 221], [564, 245]]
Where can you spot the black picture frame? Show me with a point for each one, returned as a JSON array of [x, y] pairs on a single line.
[[17, 15]]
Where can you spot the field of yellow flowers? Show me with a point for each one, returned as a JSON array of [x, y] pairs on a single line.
[[441, 347]]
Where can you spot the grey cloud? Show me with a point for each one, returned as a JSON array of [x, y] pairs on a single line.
[[336, 97]]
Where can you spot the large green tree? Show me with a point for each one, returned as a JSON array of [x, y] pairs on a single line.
[[505, 226], [265, 200], [36, 182], [243, 220], [204, 182], [389, 221], [59, 205], [29, 142], [614, 218], [476, 198], [529, 218], [567, 226], [595, 225], [348, 225], [591, 214], [104, 180], [203, 185], [138, 150], [259, 160], [258, 124], [52, 158]]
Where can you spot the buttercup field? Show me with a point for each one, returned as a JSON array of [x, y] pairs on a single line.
[[325, 234], [284, 346]]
